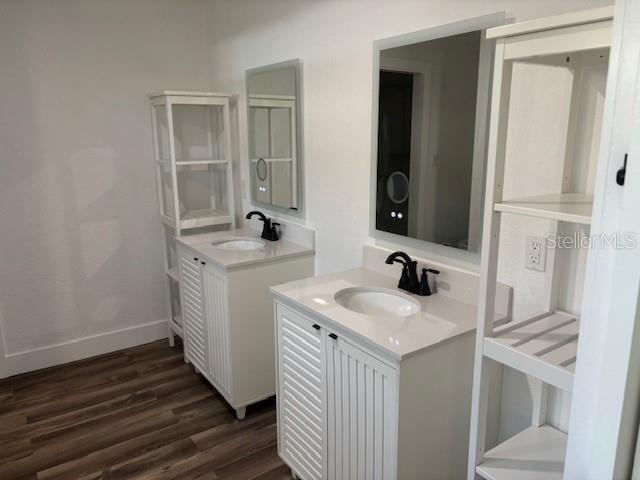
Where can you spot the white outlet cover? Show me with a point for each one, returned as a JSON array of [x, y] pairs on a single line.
[[535, 253]]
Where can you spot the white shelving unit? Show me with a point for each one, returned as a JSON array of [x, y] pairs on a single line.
[[192, 150], [543, 347], [564, 207]]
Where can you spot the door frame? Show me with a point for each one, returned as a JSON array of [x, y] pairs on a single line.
[[606, 393]]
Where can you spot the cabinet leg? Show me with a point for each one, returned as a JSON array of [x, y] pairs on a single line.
[[294, 475], [172, 340], [241, 413]]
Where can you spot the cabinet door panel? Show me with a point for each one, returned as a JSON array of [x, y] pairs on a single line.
[[215, 301], [361, 414], [196, 349], [301, 394]]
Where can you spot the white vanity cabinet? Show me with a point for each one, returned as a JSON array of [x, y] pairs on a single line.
[[206, 320], [228, 322], [337, 412], [347, 412]]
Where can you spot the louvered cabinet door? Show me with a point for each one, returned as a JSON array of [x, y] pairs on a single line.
[[196, 349], [301, 394], [361, 414], [216, 310]]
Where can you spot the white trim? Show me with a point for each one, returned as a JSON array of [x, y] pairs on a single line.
[[549, 23], [79, 348], [604, 409], [3, 348]]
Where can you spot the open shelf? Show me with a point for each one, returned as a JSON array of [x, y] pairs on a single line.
[[543, 346], [200, 161], [200, 218], [566, 207], [536, 453], [173, 273]]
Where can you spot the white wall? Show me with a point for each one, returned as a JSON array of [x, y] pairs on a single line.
[[80, 233], [335, 41]]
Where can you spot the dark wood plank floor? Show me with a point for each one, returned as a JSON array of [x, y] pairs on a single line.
[[140, 413]]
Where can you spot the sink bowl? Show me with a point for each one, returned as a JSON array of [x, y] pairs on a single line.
[[377, 301], [238, 244]]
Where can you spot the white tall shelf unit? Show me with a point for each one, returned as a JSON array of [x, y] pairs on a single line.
[[192, 152], [543, 347]]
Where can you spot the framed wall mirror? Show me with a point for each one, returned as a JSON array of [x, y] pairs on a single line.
[[430, 124], [273, 101]]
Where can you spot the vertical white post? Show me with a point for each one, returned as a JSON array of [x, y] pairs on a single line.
[[604, 408], [165, 251], [208, 111], [227, 156], [489, 255], [294, 155], [174, 174]]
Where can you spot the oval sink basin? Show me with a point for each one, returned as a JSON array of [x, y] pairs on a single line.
[[377, 301], [238, 244]]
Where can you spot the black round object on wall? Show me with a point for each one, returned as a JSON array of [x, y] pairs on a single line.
[[398, 187]]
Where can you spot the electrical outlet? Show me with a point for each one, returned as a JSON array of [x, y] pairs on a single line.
[[535, 254]]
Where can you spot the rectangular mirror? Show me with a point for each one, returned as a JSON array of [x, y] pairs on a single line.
[[273, 99], [430, 134]]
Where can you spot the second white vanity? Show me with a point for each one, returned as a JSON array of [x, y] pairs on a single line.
[[227, 309], [372, 382]]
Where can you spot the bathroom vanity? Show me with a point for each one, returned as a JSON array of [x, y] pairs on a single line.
[[227, 309], [373, 382]]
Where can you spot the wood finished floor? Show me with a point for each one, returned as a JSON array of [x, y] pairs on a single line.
[[140, 413]]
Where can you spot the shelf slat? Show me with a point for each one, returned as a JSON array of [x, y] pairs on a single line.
[[566, 207], [204, 218], [544, 347], [200, 161], [536, 453], [173, 273]]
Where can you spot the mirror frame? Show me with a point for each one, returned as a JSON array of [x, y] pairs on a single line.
[[463, 258], [269, 207]]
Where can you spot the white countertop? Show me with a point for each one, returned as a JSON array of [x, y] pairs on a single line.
[[441, 318], [230, 259]]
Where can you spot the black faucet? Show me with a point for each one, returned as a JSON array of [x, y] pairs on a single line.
[[269, 230], [409, 278]]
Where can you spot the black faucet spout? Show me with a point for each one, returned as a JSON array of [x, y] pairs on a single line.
[[269, 230], [409, 278]]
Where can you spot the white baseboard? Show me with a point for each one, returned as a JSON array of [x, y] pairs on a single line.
[[77, 349]]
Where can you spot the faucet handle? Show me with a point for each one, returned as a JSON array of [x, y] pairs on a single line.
[[424, 288], [274, 230]]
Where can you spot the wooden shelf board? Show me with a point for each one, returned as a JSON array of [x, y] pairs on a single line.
[[173, 273], [200, 161], [544, 347], [204, 218], [536, 453], [566, 207], [183, 93], [204, 161]]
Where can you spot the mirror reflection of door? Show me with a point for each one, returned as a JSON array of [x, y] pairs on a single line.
[[272, 93], [428, 134], [394, 150]]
